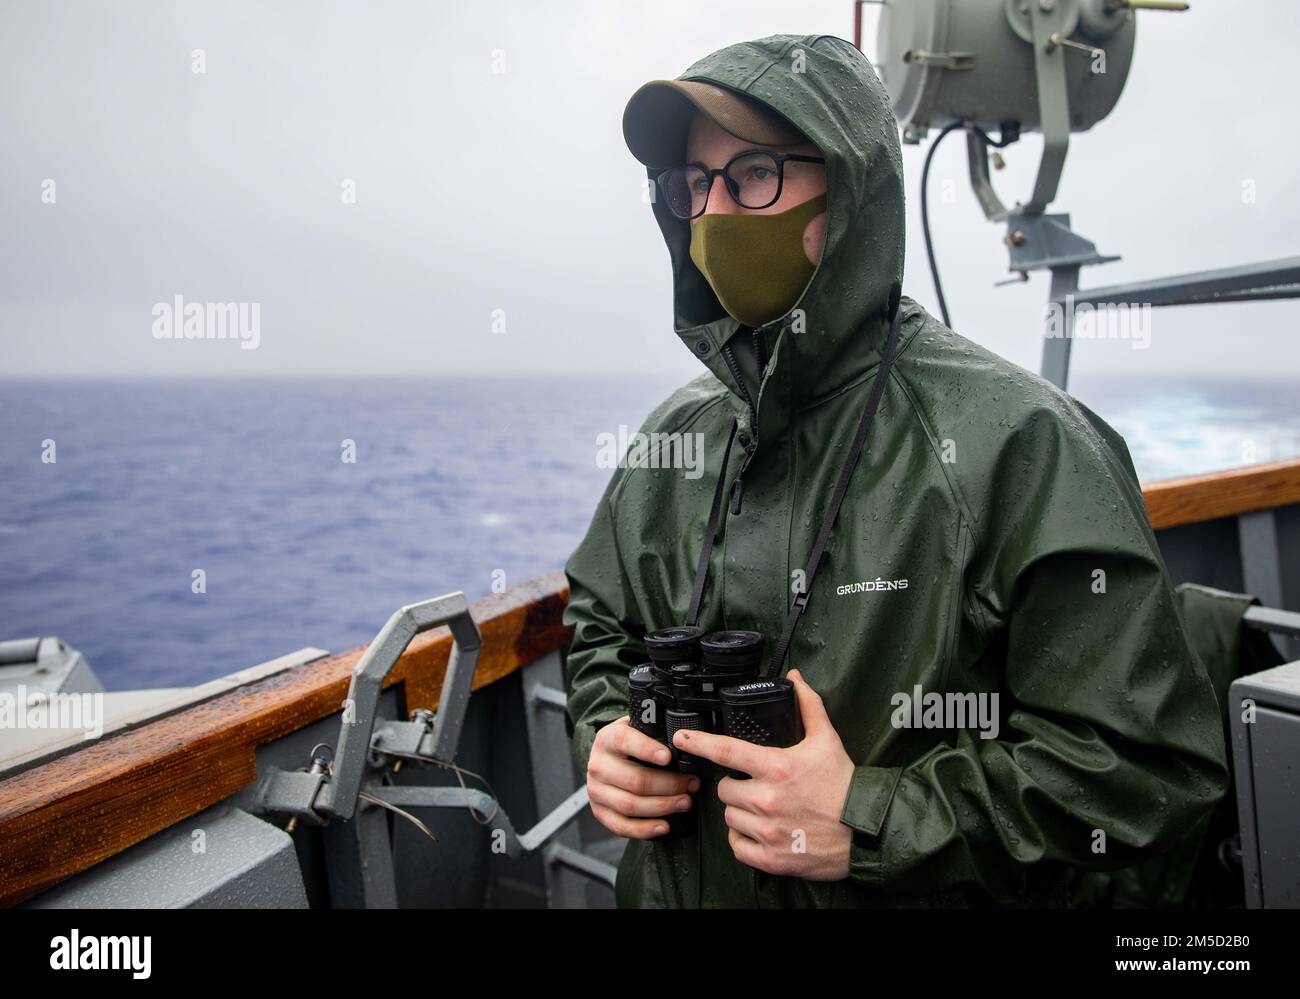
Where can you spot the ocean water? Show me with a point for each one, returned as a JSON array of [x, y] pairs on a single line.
[[457, 484]]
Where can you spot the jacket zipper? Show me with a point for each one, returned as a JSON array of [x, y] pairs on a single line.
[[750, 444]]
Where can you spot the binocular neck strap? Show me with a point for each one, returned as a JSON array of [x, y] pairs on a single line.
[[777, 663], [710, 534]]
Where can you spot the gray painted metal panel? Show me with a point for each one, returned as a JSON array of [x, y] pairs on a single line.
[[1275, 762], [1208, 553], [221, 858], [1266, 762]]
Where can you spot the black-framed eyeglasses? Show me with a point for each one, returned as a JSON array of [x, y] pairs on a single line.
[[752, 178]]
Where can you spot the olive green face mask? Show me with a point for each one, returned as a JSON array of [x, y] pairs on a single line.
[[756, 263]]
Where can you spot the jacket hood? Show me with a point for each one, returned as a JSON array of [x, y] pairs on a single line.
[[827, 88]]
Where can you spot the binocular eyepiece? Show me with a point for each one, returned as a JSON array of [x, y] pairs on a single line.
[[709, 683]]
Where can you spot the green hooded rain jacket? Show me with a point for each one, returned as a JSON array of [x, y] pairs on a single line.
[[1011, 510]]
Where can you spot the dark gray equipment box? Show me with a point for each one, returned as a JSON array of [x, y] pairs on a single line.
[[1266, 761]]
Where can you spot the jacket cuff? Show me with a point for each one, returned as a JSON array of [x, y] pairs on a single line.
[[865, 806], [583, 737]]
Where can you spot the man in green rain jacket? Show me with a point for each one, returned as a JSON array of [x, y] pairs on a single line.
[[992, 542]]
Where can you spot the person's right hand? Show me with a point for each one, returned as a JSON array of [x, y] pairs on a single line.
[[627, 797]]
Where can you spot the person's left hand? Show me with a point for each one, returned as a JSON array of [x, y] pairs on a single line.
[[786, 818]]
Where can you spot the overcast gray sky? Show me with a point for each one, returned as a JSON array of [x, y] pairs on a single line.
[[479, 190]]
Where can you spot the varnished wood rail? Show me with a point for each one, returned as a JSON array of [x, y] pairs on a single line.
[[1197, 498]]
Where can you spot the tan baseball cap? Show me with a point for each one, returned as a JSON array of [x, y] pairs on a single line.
[[657, 117]]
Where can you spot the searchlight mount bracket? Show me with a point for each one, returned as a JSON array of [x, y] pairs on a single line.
[[1038, 241]]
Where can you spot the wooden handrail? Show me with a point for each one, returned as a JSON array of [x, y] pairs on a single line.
[[1197, 498], [64, 816]]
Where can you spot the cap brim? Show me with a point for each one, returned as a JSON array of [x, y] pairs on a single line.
[[656, 119]]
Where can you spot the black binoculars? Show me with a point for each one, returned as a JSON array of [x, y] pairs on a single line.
[[709, 683]]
